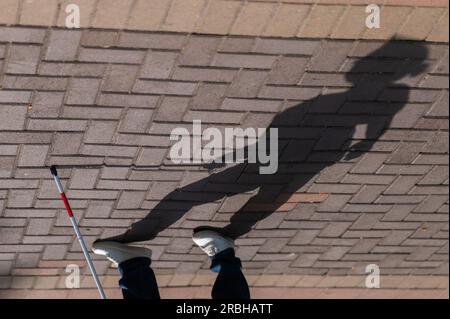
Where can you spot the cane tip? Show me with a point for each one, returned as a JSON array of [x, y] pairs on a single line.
[[53, 170]]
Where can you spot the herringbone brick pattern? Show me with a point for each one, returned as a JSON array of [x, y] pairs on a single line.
[[362, 179]]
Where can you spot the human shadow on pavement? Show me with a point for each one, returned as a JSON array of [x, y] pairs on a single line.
[[313, 135]]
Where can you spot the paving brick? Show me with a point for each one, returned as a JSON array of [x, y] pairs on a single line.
[[204, 74], [199, 50], [352, 24], [151, 157], [237, 44], [209, 96], [39, 226], [24, 35], [304, 237], [398, 212], [392, 19], [431, 159], [438, 190], [320, 21], [56, 125], [402, 185], [23, 59], [111, 14], [153, 41], [408, 116], [370, 163], [321, 60], [366, 221], [286, 20], [5, 267], [9, 12], [285, 46], [431, 204], [14, 96], [139, 19], [111, 150], [8, 150], [321, 79], [440, 30], [100, 131], [33, 155], [406, 153], [438, 143], [333, 203], [334, 253], [82, 91], [287, 70], [84, 178], [130, 100], [250, 105], [86, 7], [10, 236], [22, 282], [130, 200], [438, 175], [158, 65], [142, 140], [71, 69], [91, 194], [34, 83], [12, 117], [291, 93], [120, 78], [136, 120], [25, 138], [217, 17], [96, 38], [6, 165], [334, 229], [400, 199], [247, 84], [334, 173], [111, 56], [46, 104], [183, 15], [35, 12], [98, 209], [368, 194], [243, 61], [164, 87], [225, 118], [160, 189], [21, 198], [427, 17], [172, 109], [66, 143], [63, 45], [252, 18]]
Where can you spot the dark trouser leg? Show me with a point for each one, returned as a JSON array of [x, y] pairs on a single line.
[[230, 282], [138, 279]]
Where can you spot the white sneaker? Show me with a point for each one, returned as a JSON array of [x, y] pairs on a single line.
[[212, 242], [118, 252]]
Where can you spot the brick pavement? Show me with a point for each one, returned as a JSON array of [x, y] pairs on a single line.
[[337, 19], [101, 104]]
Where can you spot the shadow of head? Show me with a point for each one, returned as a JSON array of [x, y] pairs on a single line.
[[397, 59]]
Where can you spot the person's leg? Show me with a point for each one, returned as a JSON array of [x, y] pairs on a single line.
[[138, 279], [230, 282]]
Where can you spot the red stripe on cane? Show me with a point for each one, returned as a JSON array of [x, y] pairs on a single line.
[[66, 203]]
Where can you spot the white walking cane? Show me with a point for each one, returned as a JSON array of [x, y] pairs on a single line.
[[77, 232]]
